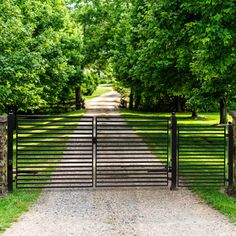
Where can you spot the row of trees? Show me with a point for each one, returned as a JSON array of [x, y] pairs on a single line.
[[172, 55], [180, 53]]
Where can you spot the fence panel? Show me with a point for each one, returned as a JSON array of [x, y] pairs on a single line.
[[54, 152], [201, 155], [132, 151]]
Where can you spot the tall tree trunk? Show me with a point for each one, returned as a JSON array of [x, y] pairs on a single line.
[[137, 102], [179, 104], [131, 100], [223, 111], [78, 98], [194, 114]]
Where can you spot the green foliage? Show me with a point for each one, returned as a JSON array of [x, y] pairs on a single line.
[[212, 38], [90, 81], [163, 51], [150, 58], [106, 76], [95, 18], [183, 49], [124, 92], [40, 53]]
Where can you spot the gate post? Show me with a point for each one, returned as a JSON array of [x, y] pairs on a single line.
[[233, 114], [10, 130], [173, 152], [230, 157], [3, 154]]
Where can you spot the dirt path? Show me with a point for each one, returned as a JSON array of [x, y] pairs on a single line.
[[117, 211]]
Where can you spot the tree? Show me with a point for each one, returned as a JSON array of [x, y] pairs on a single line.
[[19, 67], [41, 53], [213, 36], [177, 50], [157, 62]]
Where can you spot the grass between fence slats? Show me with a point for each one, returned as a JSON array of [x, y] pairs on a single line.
[[13, 205], [201, 148], [214, 196], [155, 134], [35, 148]]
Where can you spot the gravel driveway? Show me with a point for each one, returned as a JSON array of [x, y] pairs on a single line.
[[117, 211]]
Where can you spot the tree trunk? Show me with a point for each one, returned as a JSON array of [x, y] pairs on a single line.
[[137, 102], [131, 101], [194, 114], [179, 104], [77, 98], [223, 111]]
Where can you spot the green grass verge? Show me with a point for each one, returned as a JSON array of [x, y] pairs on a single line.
[[214, 196], [14, 205], [184, 118], [101, 89], [218, 200]]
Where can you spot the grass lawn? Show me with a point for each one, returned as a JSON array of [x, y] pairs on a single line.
[[14, 205], [214, 196], [101, 89]]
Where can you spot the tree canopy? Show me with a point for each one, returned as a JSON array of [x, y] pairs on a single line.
[[171, 55], [172, 52], [40, 58]]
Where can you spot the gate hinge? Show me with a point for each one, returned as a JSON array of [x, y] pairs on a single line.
[[94, 140]]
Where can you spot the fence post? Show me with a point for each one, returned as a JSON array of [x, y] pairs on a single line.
[[230, 157], [3, 154], [10, 130], [173, 152]]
